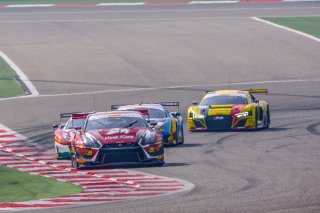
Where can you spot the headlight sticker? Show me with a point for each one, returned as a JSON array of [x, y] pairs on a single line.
[[242, 114], [197, 116]]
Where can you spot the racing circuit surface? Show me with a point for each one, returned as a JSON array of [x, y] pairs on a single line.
[[83, 59]]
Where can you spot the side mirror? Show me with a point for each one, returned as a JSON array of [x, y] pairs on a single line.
[[175, 114], [195, 103], [55, 126]]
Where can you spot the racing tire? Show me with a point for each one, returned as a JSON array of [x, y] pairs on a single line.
[[256, 118], [176, 139], [268, 118], [57, 153], [74, 162], [160, 164], [182, 142]]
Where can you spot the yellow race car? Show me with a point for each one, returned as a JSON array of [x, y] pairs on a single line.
[[229, 110]]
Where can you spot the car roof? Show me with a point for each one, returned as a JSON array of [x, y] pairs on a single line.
[[142, 106], [117, 113], [228, 92]]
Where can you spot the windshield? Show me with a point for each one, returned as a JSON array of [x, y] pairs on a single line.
[[156, 113], [153, 113], [103, 122], [223, 99], [75, 123]]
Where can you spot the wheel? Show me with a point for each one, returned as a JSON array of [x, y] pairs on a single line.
[[160, 164], [74, 162], [175, 139], [182, 141], [268, 118], [256, 118], [57, 152]]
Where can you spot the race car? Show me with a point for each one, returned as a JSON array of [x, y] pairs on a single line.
[[229, 110], [64, 132], [116, 137], [169, 124]]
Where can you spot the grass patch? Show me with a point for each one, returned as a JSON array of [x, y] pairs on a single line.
[[8, 85], [83, 1], [309, 25], [19, 186]]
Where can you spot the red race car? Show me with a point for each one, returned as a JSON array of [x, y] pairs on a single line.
[[116, 137], [65, 131]]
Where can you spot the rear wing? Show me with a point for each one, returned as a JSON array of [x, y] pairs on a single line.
[[166, 104], [251, 91], [116, 106], [67, 115], [265, 91], [74, 115], [169, 104]]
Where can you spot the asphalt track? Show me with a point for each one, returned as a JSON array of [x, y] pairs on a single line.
[[175, 53]]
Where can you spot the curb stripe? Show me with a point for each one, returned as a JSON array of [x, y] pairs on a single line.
[[17, 205], [95, 200], [9, 141], [118, 195], [99, 186], [7, 136], [29, 5]]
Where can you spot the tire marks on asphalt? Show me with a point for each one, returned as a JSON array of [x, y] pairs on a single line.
[[314, 128], [99, 186]]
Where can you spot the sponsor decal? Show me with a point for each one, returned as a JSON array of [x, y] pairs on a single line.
[[216, 118], [116, 137], [117, 130]]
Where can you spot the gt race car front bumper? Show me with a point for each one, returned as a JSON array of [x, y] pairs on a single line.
[[123, 154]]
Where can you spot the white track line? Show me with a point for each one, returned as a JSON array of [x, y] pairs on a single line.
[[120, 4], [21, 75], [287, 28], [171, 87]]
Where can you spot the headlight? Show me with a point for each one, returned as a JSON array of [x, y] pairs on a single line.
[[148, 138], [197, 116], [57, 139], [66, 136], [242, 114], [90, 142], [162, 127]]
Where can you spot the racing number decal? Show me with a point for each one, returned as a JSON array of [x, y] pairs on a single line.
[[117, 130]]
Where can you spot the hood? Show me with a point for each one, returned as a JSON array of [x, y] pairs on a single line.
[[118, 135], [227, 109]]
